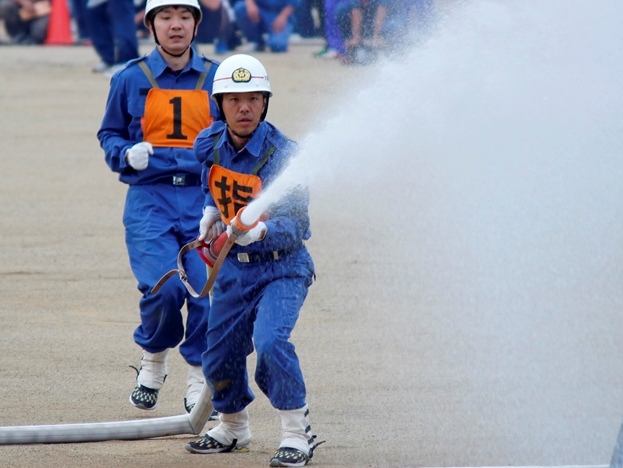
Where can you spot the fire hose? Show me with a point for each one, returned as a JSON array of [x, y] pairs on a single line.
[[213, 253], [191, 423]]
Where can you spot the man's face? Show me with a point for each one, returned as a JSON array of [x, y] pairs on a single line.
[[243, 111], [175, 28]]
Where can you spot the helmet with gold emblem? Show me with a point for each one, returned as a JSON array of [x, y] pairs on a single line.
[[241, 73]]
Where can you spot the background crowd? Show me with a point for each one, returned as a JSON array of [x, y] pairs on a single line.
[[353, 31]]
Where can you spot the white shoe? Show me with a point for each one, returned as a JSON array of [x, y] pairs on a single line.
[[100, 67], [330, 54], [250, 47]]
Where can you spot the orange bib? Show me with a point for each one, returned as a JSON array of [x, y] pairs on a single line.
[[174, 117], [232, 190]]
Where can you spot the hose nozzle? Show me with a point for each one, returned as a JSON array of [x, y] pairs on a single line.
[[240, 225]]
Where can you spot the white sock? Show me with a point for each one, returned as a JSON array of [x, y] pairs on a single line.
[[153, 370], [296, 429], [232, 426]]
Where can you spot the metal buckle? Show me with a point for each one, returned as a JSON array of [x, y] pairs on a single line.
[[179, 180], [243, 257]]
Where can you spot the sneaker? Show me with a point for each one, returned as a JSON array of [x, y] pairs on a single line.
[[114, 69], [252, 47], [101, 67], [209, 444], [287, 456], [149, 379], [328, 54], [143, 397], [320, 53], [331, 54]]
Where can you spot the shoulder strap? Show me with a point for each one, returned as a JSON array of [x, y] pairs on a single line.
[[202, 78], [269, 152], [201, 81], [148, 73], [215, 153], [263, 160]]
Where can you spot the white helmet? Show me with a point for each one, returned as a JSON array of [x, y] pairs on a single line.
[[153, 4], [240, 73]]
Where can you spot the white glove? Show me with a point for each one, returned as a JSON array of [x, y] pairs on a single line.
[[138, 155], [252, 235], [210, 225]]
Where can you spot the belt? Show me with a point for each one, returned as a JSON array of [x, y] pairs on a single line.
[[244, 257], [180, 180], [255, 257]]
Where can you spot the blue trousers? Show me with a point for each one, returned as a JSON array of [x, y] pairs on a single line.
[[113, 32], [159, 219], [257, 304], [277, 42]]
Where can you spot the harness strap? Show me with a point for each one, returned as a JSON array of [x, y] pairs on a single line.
[[201, 81], [150, 76], [263, 159], [148, 73]]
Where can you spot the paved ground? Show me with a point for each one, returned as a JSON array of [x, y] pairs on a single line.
[[411, 358]]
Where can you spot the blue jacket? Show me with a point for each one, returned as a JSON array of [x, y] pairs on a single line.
[[288, 223], [121, 124]]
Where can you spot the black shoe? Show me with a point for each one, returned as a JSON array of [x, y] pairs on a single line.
[[189, 408], [143, 397], [208, 444], [287, 456]]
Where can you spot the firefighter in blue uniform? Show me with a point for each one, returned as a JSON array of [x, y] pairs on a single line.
[[156, 107], [264, 279]]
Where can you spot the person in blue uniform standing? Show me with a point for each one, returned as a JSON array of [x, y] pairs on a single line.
[[156, 107], [264, 279], [113, 33]]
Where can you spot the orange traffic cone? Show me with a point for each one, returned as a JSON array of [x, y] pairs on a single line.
[[59, 28]]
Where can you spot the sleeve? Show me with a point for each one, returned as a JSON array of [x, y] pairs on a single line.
[[202, 147], [113, 134], [288, 220]]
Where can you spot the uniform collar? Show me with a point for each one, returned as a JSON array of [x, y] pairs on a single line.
[[158, 65], [254, 145]]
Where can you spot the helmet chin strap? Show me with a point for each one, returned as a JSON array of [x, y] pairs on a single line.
[[170, 53]]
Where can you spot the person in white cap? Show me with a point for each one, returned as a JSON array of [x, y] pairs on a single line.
[[157, 104], [263, 281]]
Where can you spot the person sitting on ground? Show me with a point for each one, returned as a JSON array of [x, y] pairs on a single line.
[[26, 21], [274, 18], [218, 26], [362, 24]]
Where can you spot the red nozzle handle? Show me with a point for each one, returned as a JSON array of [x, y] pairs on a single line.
[[208, 251]]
